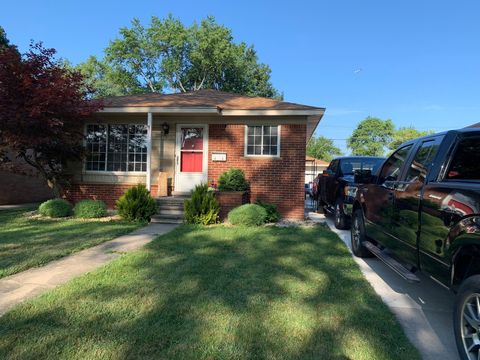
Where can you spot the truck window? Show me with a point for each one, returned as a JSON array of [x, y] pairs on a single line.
[[351, 165], [333, 166], [423, 159], [465, 164], [392, 167]]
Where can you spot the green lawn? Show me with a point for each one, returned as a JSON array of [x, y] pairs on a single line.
[[214, 293], [26, 242]]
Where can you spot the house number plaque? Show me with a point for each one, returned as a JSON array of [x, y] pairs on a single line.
[[219, 156]]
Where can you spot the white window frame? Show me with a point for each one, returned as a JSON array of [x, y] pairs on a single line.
[[279, 128], [106, 172]]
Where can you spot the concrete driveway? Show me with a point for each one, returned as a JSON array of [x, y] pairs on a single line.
[[424, 309]]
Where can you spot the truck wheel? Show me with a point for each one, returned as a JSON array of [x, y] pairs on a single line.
[[358, 235], [340, 217], [466, 318]]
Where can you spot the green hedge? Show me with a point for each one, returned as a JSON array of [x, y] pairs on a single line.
[[55, 208], [136, 204], [232, 180], [202, 207], [87, 209], [272, 213], [248, 215]]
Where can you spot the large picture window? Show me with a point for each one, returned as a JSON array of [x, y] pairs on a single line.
[[263, 140], [116, 148]]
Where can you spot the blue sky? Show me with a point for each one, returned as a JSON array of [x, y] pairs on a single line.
[[415, 62]]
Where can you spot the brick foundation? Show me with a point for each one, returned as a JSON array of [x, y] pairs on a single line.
[[109, 193], [279, 181], [229, 200]]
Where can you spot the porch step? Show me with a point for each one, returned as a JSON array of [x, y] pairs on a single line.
[[160, 219], [170, 210], [391, 263]]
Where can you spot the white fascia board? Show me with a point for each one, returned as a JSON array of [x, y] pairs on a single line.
[[158, 109], [313, 112]]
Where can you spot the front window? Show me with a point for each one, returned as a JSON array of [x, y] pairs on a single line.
[[350, 166], [263, 140], [116, 148], [393, 166]]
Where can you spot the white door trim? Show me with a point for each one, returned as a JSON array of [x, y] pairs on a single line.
[[203, 177]]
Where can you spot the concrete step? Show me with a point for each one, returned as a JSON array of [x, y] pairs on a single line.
[[161, 220], [174, 212]]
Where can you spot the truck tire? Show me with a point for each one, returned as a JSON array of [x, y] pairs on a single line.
[[466, 318], [339, 215], [358, 235]]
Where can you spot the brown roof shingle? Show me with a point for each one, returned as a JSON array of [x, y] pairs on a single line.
[[204, 99]]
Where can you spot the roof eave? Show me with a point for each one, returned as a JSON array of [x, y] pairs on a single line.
[[160, 109]]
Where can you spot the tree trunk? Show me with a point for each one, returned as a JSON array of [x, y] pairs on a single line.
[[55, 186]]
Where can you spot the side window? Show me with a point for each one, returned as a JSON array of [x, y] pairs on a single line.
[[423, 159], [393, 166], [333, 166], [465, 164]]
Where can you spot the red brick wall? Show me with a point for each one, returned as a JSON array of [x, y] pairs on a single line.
[[18, 189], [275, 180], [109, 193]]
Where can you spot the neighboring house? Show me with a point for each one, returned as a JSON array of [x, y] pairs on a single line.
[[313, 167], [174, 142]]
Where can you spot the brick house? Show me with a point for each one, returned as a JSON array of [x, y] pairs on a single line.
[[173, 142]]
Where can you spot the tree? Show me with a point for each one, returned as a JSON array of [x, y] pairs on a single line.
[[404, 134], [4, 42], [167, 55], [42, 108], [371, 137], [322, 148]]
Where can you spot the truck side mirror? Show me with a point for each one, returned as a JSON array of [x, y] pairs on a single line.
[[326, 173]]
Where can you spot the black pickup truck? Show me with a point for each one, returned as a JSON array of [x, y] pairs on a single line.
[[422, 213], [336, 185]]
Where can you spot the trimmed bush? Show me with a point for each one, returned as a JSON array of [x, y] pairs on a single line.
[[232, 180], [272, 213], [202, 208], [136, 204], [87, 209], [55, 208], [248, 215]]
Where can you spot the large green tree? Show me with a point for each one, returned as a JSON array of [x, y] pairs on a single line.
[[4, 42], [166, 55], [371, 137], [404, 134], [322, 148]]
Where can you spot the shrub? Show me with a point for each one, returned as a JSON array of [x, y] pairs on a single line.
[[202, 207], [272, 213], [136, 204], [55, 208], [232, 180], [248, 215], [90, 209]]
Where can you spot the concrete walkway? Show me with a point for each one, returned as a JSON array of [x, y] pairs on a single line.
[[28, 284], [424, 310]]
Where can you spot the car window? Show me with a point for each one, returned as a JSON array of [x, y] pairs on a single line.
[[423, 159], [465, 164], [392, 167], [352, 165], [333, 166]]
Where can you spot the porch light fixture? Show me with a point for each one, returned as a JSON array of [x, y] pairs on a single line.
[[165, 128]]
